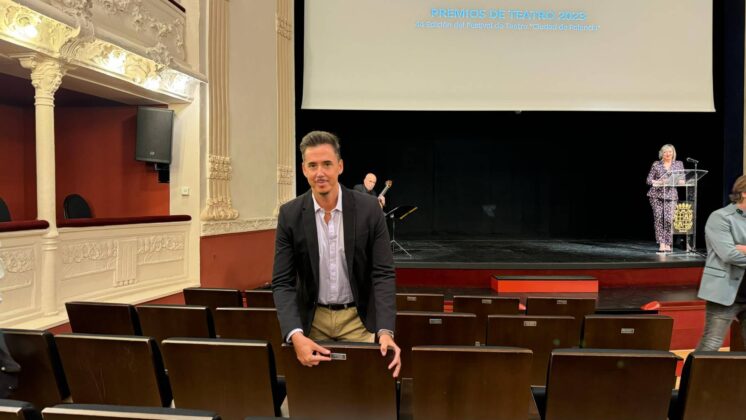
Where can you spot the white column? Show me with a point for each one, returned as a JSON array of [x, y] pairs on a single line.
[[218, 205], [285, 105], [46, 76]]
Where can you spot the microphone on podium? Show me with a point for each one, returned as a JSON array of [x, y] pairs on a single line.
[[694, 161]]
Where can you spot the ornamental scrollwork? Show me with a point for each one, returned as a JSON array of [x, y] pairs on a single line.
[[160, 243], [18, 260], [220, 167], [89, 251]]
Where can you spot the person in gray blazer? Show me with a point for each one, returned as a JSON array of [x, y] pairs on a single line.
[[722, 284], [333, 277]]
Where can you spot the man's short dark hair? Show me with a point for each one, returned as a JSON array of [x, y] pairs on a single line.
[[738, 187], [317, 138]]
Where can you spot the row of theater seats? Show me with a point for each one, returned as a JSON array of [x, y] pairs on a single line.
[[234, 378], [21, 410], [540, 333]]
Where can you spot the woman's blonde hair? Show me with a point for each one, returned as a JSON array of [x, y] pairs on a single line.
[[666, 147]]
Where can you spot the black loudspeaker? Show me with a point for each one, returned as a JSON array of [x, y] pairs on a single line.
[[154, 134]]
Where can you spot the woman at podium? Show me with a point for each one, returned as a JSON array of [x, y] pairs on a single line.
[[663, 200]]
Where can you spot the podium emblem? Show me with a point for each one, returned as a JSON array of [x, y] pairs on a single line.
[[683, 218]]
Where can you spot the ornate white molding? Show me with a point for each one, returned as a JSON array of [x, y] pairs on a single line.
[[285, 174], [151, 66], [218, 205], [46, 76], [285, 104], [284, 27], [18, 260], [160, 243], [219, 167], [238, 226], [76, 253], [26, 27]]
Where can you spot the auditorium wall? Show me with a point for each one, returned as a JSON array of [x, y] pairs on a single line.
[[95, 157], [18, 161]]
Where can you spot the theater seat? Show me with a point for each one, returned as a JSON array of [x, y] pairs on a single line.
[[235, 378], [103, 318], [76, 207], [483, 306], [428, 302], [118, 412], [251, 324], [356, 384], [4, 212], [166, 321], [466, 382], [713, 386], [540, 334], [259, 298], [415, 328], [639, 332], [41, 381], [18, 410], [577, 308], [213, 297], [114, 369], [607, 384]]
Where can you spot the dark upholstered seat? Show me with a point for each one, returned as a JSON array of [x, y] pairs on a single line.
[[483, 306], [76, 207], [118, 412], [540, 334], [166, 321], [428, 302], [114, 369], [607, 384], [467, 382], [18, 410], [213, 297], [713, 386], [103, 318], [574, 307], [259, 298], [638, 332], [355, 385], [251, 324], [4, 212], [41, 380], [432, 328], [235, 378]]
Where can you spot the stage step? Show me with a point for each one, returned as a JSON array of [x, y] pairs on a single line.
[[544, 284]]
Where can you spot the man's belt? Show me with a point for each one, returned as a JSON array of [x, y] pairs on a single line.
[[336, 306]]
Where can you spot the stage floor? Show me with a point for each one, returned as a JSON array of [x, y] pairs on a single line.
[[538, 254]]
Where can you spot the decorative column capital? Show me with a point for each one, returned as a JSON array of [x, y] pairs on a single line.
[[46, 76]]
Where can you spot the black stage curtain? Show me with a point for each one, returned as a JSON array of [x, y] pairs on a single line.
[[539, 174]]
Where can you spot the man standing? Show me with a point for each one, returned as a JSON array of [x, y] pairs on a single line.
[[333, 275], [367, 187], [722, 284]]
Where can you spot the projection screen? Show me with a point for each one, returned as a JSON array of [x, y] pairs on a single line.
[[619, 55]]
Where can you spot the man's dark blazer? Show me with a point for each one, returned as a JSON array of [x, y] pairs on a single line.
[[361, 188], [370, 264]]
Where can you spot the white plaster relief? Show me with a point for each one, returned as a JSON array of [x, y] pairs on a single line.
[[238, 226], [18, 260], [160, 248], [86, 258], [127, 263]]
